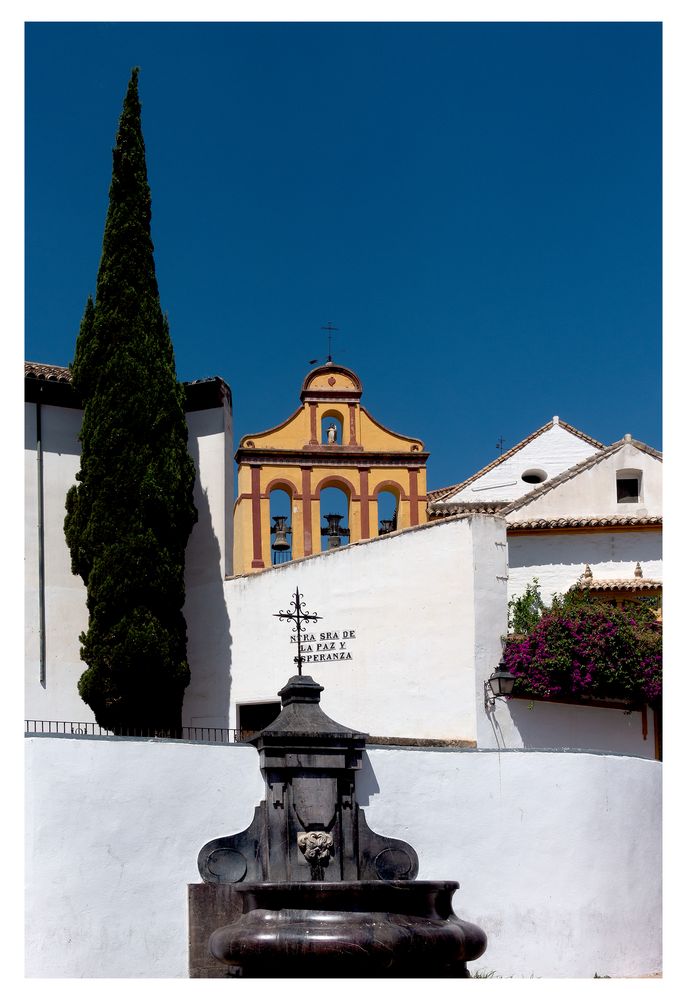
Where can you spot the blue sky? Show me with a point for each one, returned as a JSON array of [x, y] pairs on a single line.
[[476, 207]]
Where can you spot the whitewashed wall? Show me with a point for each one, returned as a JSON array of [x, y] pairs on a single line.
[[520, 723], [208, 556], [592, 493], [558, 560], [553, 451], [114, 829], [66, 615], [427, 605]]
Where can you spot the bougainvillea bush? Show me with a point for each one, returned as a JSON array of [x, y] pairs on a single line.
[[581, 646]]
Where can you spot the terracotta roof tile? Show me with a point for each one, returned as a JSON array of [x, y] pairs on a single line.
[[434, 495], [610, 521], [436, 511], [50, 373], [627, 584], [56, 373]]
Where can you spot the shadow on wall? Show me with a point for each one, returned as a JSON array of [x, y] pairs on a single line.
[[574, 553], [206, 702], [366, 783], [549, 725]]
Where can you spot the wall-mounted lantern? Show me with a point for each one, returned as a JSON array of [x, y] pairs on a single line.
[[499, 685], [334, 532]]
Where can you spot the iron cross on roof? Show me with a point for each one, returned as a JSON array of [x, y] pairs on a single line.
[[330, 330], [299, 616]]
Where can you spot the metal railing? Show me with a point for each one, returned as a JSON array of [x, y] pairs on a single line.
[[205, 734]]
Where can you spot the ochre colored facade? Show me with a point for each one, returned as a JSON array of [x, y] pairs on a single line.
[[368, 460]]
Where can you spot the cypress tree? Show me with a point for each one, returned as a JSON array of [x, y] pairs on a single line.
[[131, 513]]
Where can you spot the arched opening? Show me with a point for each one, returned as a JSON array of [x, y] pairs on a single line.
[[333, 518], [331, 428], [387, 512], [280, 526]]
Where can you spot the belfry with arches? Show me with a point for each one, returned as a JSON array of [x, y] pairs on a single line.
[[328, 475]]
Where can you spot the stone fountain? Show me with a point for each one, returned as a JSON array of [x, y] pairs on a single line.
[[309, 890]]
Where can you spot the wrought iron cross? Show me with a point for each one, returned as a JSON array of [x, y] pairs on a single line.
[[299, 616], [500, 443]]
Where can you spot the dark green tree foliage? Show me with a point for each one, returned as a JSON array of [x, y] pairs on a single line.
[[131, 514]]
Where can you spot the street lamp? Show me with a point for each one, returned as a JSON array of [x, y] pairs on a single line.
[[499, 685]]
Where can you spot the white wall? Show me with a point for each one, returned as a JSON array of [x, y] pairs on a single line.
[[114, 828], [558, 560], [427, 606], [593, 492], [66, 615], [209, 556], [543, 725], [553, 452]]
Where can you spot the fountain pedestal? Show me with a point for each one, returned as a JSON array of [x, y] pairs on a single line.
[[315, 891]]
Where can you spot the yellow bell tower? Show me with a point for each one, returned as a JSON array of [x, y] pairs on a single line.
[[331, 440]]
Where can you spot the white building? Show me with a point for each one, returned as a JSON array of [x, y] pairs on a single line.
[[55, 612], [571, 503], [404, 655]]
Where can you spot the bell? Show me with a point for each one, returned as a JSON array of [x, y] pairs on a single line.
[[280, 531], [386, 526], [334, 532]]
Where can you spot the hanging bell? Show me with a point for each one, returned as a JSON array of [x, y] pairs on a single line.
[[386, 526], [280, 531], [334, 532]]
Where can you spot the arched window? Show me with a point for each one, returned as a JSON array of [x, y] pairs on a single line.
[[280, 526], [387, 512], [333, 518], [330, 420]]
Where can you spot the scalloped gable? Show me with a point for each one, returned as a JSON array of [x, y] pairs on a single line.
[[589, 488], [553, 449]]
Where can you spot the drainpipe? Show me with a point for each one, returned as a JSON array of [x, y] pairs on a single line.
[[41, 539]]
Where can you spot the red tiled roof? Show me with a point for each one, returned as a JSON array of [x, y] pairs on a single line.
[[636, 583], [49, 373]]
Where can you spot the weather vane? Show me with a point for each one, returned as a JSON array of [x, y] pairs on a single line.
[[298, 615], [329, 329]]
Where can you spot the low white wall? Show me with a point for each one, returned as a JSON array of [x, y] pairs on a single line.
[[427, 607], [542, 725], [558, 855]]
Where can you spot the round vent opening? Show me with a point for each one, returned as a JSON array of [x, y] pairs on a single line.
[[534, 476]]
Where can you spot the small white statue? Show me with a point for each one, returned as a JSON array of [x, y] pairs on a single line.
[[331, 434]]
